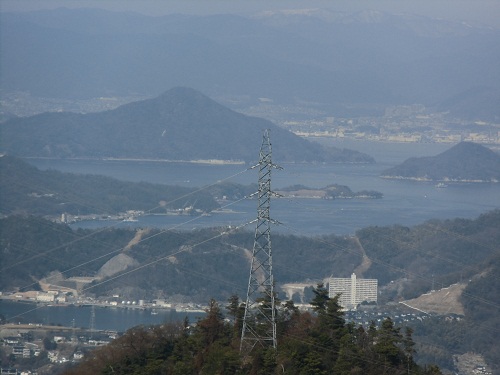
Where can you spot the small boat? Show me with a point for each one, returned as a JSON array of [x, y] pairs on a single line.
[[441, 185]]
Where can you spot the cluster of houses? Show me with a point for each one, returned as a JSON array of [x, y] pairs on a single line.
[[14, 371], [25, 347], [21, 349], [55, 357]]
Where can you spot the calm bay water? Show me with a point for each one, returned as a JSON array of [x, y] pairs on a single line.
[[106, 318], [405, 202]]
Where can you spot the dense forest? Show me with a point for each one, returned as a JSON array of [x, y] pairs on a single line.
[[318, 342], [26, 189], [434, 254], [480, 301], [32, 247], [450, 251], [180, 263]]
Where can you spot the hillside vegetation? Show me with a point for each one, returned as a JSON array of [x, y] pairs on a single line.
[[26, 189], [451, 250], [319, 343], [189, 266], [464, 162], [429, 256], [182, 124]]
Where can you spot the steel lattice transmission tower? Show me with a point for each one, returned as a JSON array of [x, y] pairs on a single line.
[[259, 323]]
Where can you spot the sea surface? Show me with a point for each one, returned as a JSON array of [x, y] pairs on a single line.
[[117, 319], [405, 202]]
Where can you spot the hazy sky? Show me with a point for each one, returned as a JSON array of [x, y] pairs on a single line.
[[485, 11]]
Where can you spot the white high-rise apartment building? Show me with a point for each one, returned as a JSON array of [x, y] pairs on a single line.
[[353, 291]]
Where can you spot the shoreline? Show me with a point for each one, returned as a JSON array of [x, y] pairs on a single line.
[[446, 180], [172, 307], [195, 161]]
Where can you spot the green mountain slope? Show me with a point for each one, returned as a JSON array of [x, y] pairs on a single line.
[[25, 189], [464, 162], [181, 124], [430, 255]]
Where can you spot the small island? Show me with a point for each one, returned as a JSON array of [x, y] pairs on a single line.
[[333, 191], [465, 162]]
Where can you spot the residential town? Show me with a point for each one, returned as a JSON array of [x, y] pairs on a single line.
[[400, 124]]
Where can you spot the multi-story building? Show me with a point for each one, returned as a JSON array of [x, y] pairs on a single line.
[[353, 291]]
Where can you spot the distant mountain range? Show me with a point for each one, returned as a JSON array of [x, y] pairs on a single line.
[[181, 124], [347, 63], [464, 162]]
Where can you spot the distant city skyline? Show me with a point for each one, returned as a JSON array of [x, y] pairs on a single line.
[[482, 11]]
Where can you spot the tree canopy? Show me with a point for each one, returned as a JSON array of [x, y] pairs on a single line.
[[318, 342]]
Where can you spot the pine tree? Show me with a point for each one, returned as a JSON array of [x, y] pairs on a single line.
[[236, 311], [320, 298], [389, 337], [211, 328]]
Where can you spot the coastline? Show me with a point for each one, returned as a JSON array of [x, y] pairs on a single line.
[[446, 180], [194, 161], [145, 307]]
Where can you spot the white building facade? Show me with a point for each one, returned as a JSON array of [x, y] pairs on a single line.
[[353, 291]]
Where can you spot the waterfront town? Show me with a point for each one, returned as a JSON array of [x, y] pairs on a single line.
[[403, 123]]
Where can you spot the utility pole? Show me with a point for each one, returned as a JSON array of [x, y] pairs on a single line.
[[73, 331], [92, 321], [259, 322]]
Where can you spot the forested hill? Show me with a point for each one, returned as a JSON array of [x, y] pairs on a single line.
[[308, 343], [434, 254], [26, 189], [197, 265], [181, 124], [464, 162]]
